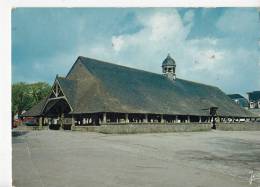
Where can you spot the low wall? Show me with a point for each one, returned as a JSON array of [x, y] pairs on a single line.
[[85, 128], [157, 128], [153, 128], [163, 128], [28, 128], [246, 126]]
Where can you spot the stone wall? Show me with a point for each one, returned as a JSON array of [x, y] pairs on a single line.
[[28, 128], [85, 128], [158, 128], [153, 128], [248, 126], [164, 128]]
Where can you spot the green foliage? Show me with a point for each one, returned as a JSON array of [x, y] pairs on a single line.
[[24, 95]]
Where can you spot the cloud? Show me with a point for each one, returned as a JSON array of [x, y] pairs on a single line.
[[228, 59], [208, 59], [188, 16], [117, 43]]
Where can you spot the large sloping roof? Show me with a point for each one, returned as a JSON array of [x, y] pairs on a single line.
[[122, 89], [97, 86], [36, 109]]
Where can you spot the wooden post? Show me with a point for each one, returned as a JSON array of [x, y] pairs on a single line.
[[72, 121], [162, 120], [40, 123], [146, 118], [61, 121], [188, 119], [199, 119], [104, 121], [126, 118]]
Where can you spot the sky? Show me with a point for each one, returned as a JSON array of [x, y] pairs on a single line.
[[216, 46]]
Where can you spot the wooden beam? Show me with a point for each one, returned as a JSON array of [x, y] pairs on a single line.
[[61, 97]]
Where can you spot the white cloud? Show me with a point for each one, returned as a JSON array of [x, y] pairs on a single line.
[[188, 16], [163, 33], [204, 59], [117, 43]]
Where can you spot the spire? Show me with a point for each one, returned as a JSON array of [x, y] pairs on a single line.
[[168, 67], [168, 61]]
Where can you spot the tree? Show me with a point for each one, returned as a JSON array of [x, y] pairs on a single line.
[[24, 95], [39, 91]]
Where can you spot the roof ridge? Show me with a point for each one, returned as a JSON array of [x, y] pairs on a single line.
[[123, 66], [135, 69]]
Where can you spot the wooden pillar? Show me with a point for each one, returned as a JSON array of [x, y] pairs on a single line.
[[126, 118], [188, 119], [162, 120], [61, 121], [104, 120], [40, 122], [146, 118], [72, 121]]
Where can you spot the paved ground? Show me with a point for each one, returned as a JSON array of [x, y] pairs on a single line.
[[197, 159]]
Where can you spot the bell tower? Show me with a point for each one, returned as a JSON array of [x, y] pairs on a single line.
[[168, 68]]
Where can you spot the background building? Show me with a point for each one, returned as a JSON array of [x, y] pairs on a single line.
[[254, 99]]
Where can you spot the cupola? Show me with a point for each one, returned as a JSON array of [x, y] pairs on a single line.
[[168, 67]]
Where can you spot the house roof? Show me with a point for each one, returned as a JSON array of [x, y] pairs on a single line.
[[242, 101], [35, 110], [235, 96], [96, 86], [254, 96]]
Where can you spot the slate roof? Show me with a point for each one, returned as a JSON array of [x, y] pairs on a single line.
[[235, 96], [96, 86], [242, 101], [169, 61], [255, 111], [35, 110], [254, 96]]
